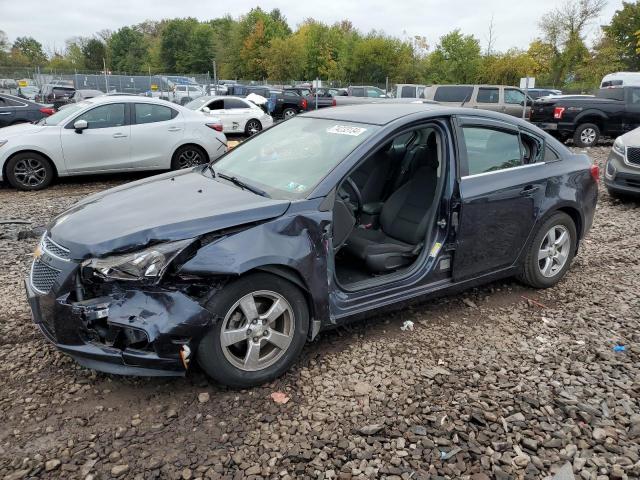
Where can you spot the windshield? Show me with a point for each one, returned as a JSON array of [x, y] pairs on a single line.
[[62, 115], [287, 161], [198, 102]]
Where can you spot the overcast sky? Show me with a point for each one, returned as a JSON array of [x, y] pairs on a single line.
[[515, 22]]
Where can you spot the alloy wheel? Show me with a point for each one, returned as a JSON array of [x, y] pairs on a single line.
[[257, 330], [554, 251], [30, 172], [588, 136], [289, 113], [253, 127], [189, 158]]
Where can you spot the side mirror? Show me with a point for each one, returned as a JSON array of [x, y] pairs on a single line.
[[80, 125], [206, 109]]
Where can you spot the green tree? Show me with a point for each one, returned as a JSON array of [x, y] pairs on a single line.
[[376, 57], [128, 51], [622, 32], [456, 59], [175, 45], [4, 47], [95, 52], [285, 58], [506, 68], [31, 49]]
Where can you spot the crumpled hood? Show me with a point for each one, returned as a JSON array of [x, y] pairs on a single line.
[[170, 206], [21, 129]]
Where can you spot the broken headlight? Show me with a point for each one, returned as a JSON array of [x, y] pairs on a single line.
[[148, 264]]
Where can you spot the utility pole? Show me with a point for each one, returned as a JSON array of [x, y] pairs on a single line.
[[215, 77], [106, 80]]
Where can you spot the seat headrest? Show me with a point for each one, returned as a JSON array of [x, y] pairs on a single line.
[[428, 155]]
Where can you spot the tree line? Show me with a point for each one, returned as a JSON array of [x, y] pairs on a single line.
[[261, 45]]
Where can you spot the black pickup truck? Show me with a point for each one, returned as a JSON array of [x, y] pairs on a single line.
[[585, 118], [325, 99]]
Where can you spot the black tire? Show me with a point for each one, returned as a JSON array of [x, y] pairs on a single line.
[[531, 269], [215, 359], [252, 127], [289, 112], [188, 156], [29, 171], [586, 135]]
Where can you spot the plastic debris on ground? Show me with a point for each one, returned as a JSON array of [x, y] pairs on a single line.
[[280, 397], [407, 325]]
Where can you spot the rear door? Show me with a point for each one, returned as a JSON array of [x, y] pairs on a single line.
[[236, 113], [513, 101], [156, 130], [104, 145], [488, 98], [500, 196], [632, 107], [7, 111]]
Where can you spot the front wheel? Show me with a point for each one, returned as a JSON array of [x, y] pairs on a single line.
[[586, 135], [261, 327], [550, 252], [29, 171]]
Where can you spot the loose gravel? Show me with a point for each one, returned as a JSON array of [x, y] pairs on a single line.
[[500, 382]]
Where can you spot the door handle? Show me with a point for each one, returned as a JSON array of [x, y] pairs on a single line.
[[174, 129], [6, 113], [529, 190], [119, 135]]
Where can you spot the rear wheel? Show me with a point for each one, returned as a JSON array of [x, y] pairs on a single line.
[[253, 126], [550, 252], [289, 112], [188, 156], [261, 327], [29, 171], [586, 135]]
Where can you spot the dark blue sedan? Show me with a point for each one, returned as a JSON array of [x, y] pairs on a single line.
[[14, 110], [320, 220]]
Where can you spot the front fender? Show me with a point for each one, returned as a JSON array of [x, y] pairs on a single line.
[[296, 242]]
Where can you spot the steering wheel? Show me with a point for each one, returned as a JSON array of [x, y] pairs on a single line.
[[357, 196]]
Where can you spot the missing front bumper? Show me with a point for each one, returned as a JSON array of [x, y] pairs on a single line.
[[132, 332]]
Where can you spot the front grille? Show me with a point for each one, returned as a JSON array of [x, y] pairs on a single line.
[[633, 155], [54, 249], [43, 276]]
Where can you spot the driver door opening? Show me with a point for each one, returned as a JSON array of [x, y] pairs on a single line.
[[386, 207]]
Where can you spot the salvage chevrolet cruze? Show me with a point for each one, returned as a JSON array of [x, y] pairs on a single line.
[[320, 220]]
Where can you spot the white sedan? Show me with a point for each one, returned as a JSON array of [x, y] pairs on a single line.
[[237, 114], [108, 134]]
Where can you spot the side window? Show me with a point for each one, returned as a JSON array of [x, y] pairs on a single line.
[[420, 92], [457, 94], [635, 96], [532, 148], [408, 92], [373, 92], [488, 95], [357, 92], [489, 150], [513, 96], [550, 155], [150, 113], [216, 105], [105, 116], [232, 103], [8, 102]]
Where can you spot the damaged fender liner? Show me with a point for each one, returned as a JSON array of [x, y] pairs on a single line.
[[130, 332]]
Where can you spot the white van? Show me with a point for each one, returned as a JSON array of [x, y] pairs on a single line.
[[409, 90], [620, 79]]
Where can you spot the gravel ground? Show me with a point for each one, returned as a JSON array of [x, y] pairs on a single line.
[[502, 382]]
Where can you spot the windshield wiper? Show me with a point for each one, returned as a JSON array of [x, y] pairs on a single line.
[[243, 185], [210, 167]]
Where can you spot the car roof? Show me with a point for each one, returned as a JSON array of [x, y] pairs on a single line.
[[120, 98], [384, 113]]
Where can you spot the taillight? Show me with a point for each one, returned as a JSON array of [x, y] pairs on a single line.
[[215, 126], [333, 102], [47, 111], [558, 112], [304, 103], [595, 172]]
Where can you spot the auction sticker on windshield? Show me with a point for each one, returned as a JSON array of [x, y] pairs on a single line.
[[346, 130]]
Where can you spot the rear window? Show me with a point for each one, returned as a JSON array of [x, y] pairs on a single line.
[[453, 94], [63, 92], [408, 92], [611, 93]]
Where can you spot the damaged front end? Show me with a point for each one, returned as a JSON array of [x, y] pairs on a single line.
[[109, 319]]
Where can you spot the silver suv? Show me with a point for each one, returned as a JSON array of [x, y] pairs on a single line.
[[498, 98]]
